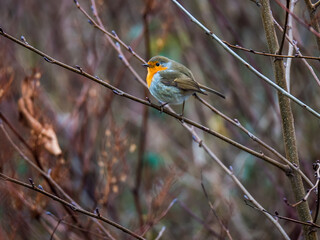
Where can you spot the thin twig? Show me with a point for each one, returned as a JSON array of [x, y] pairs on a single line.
[[256, 72], [48, 177], [297, 56], [236, 181], [277, 216], [214, 211], [166, 110], [71, 205], [236, 123], [316, 5], [198, 219], [318, 205], [284, 28], [158, 218], [113, 36], [160, 233], [290, 48], [306, 25], [298, 53], [317, 173]]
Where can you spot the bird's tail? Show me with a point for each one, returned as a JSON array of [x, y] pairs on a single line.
[[211, 90]]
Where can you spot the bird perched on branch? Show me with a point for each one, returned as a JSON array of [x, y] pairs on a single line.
[[171, 82]]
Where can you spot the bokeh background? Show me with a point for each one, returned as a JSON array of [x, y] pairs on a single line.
[[103, 137]]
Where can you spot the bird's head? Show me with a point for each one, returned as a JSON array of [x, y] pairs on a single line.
[[156, 64]]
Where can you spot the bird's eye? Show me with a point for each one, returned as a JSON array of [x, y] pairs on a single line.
[[157, 64]]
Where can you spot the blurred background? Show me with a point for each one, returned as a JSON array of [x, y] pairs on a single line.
[[140, 167]]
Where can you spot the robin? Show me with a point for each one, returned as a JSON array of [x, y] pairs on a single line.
[[171, 82]]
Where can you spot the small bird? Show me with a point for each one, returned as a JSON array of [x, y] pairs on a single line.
[[171, 82]]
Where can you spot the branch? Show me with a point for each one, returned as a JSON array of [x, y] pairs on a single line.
[[256, 139], [112, 35], [290, 40], [239, 184], [317, 173], [298, 53], [277, 216], [71, 205], [256, 72], [296, 56], [77, 69], [316, 5], [46, 175], [213, 210], [306, 25], [184, 121], [288, 128], [284, 28]]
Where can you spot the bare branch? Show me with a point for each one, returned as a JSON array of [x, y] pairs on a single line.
[[70, 205], [256, 72]]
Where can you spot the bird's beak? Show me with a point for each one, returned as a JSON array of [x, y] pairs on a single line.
[[146, 65]]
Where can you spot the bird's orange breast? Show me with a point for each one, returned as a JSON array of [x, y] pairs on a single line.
[[151, 72]]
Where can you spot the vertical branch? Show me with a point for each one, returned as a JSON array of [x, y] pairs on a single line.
[[144, 124], [290, 36], [314, 22], [287, 118], [284, 28]]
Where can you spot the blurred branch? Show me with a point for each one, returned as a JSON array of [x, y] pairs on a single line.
[[198, 219], [316, 5], [256, 72], [46, 175], [214, 211], [112, 35], [145, 120], [71, 205], [38, 165], [160, 233], [238, 183], [102, 28], [236, 123], [121, 93], [288, 128], [298, 53], [306, 25], [314, 18], [158, 218], [64, 222]]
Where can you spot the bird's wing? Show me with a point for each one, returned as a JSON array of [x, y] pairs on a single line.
[[179, 80]]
